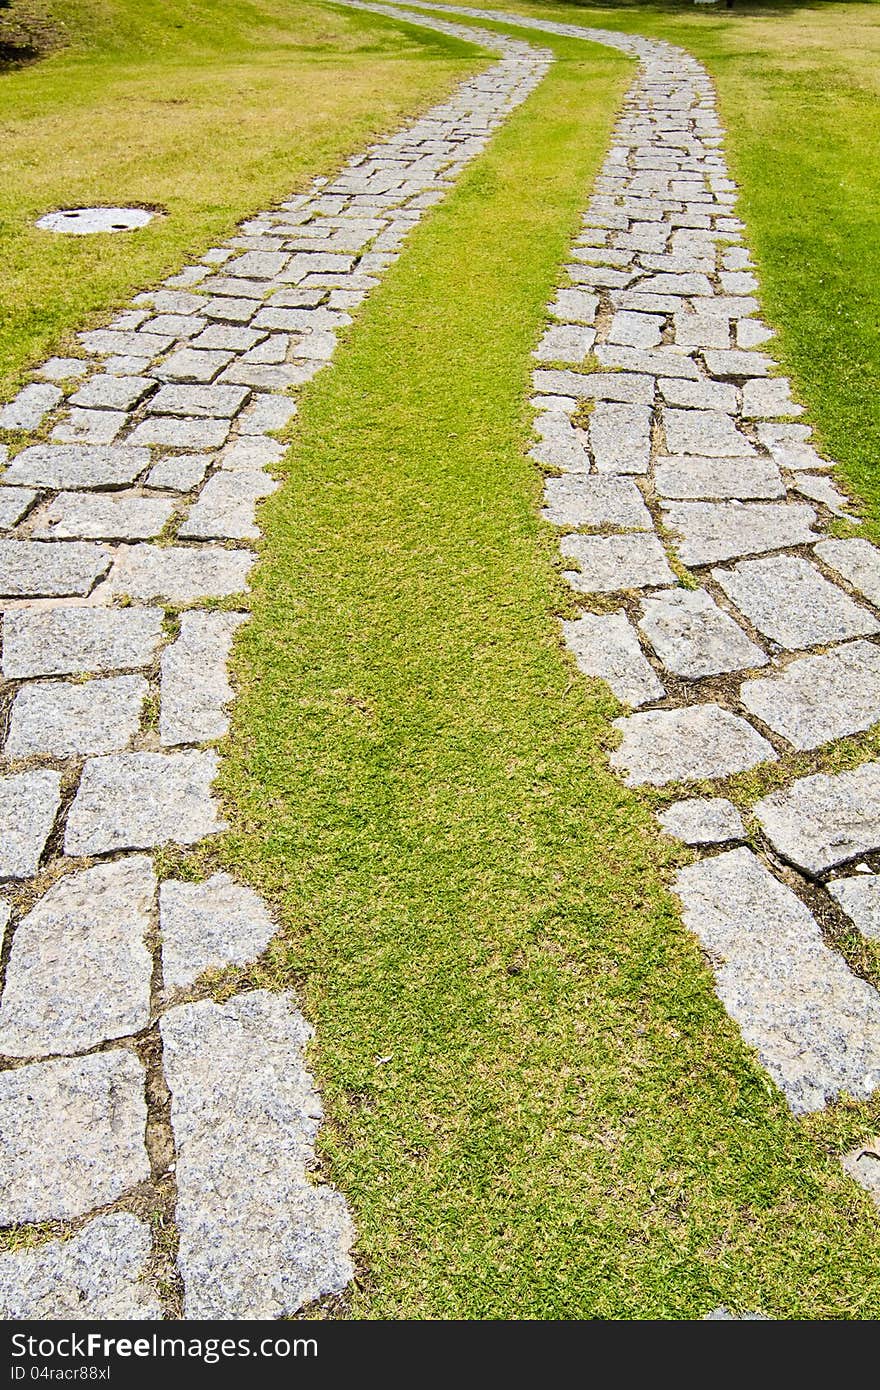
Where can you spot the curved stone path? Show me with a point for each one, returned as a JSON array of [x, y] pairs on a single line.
[[163, 1140], [167, 1136]]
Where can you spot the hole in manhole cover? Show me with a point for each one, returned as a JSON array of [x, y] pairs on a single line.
[[82, 221]]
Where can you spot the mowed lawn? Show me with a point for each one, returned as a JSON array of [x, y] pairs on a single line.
[[213, 109], [537, 1107]]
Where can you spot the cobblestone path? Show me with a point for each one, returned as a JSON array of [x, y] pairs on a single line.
[[673, 453], [170, 1137]]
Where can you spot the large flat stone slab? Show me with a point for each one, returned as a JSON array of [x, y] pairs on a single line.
[[29, 803], [78, 465], [712, 531], [258, 1239], [140, 800], [226, 507], [693, 637], [814, 1025], [612, 563], [82, 515], [606, 645], [707, 433], [179, 574], [705, 820], [71, 1135], [790, 602], [39, 569], [61, 719], [689, 478], [631, 388], [206, 926], [586, 500], [69, 641], [824, 820], [858, 562], [199, 402], [195, 686], [99, 1273], [620, 437], [79, 973], [820, 698], [859, 897], [686, 745], [172, 433]]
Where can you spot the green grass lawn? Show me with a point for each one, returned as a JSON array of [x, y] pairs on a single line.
[[211, 108], [537, 1107]]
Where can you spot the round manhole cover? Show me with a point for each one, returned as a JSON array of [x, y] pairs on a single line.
[[82, 221]]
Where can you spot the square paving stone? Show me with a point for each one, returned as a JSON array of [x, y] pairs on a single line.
[[248, 453], [195, 685], [859, 897], [71, 1135], [67, 641], [708, 433], [575, 306], [207, 926], [636, 330], [199, 402], [814, 1025], [177, 325], [99, 1273], [228, 338], [792, 603], [682, 477], [78, 465], [194, 365], [179, 472], [29, 803], [14, 502], [179, 574], [825, 820], [266, 413], [686, 745], [231, 309], [29, 408], [273, 349], [90, 427], [79, 972], [705, 820], [112, 392], [820, 698], [34, 569], [764, 399], [620, 437], [856, 561], [611, 563], [583, 500], [63, 368], [701, 330], [605, 645], [700, 395], [565, 343], [693, 637], [713, 531], [58, 719], [258, 1237], [140, 800], [115, 516]]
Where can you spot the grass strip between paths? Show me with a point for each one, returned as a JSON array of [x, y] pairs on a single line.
[[537, 1107]]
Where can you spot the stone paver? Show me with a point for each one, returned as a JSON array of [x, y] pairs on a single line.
[[141, 800], [620, 437], [611, 563], [257, 1238], [687, 478], [71, 1135], [226, 507], [708, 820], [790, 602], [70, 641], [208, 925], [578, 500], [814, 1025], [178, 574], [194, 687], [820, 698], [79, 973], [693, 637], [859, 897], [606, 645], [824, 820], [712, 531], [29, 803], [99, 1273], [77, 465], [856, 561], [114, 516], [686, 745], [59, 719], [36, 569]]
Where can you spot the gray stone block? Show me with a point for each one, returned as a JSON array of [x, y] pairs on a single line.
[[820, 698], [179, 472], [178, 574], [115, 516], [737, 363], [248, 453], [706, 820], [790, 602], [199, 402], [859, 897], [67, 641], [266, 413], [77, 465], [59, 719], [575, 306], [693, 637], [708, 433], [713, 531], [824, 820], [856, 561], [30, 407], [612, 563], [14, 502], [762, 400], [171, 433], [112, 392], [99, 1273], [207, 926], [197, 364], [605, 645], [686, 745], [584, 500], [659, 362], [630, 388], [195, 686], [141, 800], [620, 437], [34, 569], [258, 1239], [71, 1135], [684, 478], [814, 1025], [636, 330], [79, 972], [29, 803], [565, 343], [700, 395], [90, 427]]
